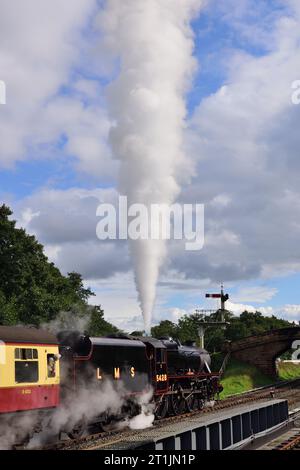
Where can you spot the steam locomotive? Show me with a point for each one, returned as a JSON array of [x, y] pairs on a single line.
[[40, 371]]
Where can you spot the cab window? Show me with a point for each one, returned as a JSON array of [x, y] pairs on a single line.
[[160, 355], [26, 365]]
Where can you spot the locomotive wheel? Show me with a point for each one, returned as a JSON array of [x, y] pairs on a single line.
[[161, 408], [178, 403], [190, 401], [198, 403]]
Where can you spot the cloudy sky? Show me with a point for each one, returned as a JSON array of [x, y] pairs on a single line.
[[242, 141]]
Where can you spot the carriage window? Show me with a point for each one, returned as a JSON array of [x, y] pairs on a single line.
[[26, 365], [51, 367], [26, 353]]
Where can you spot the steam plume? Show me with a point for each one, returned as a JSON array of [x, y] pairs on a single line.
[[154, 42]]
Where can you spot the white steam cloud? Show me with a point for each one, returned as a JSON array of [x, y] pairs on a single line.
[[154, 42], [35, 431]]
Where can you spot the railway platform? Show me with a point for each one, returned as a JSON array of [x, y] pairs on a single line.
[[225, 429]]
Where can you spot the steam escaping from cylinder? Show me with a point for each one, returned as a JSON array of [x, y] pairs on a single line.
[[153, 40]]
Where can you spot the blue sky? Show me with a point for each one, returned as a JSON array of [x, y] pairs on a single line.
[[55, 153]]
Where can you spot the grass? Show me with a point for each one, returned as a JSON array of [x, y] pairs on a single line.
[[288, 371], [239, 376]]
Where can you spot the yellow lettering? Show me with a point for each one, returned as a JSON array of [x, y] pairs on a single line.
[[117, 372], [132, 372], [99, 376], [161, 378]]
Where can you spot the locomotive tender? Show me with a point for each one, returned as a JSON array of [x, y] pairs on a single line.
[[38, 371]]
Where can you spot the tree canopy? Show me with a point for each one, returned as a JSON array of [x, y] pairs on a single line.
[[246, 324]]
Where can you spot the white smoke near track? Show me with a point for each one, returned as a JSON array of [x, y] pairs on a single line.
[[80, 409], [145, 418], [32, 431], [154, 42]]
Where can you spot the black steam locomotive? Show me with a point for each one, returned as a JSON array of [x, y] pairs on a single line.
[[179, 375]]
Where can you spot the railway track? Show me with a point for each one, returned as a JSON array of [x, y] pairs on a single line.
[[282, 390], [287, 439], [291, 444], [291, 439]]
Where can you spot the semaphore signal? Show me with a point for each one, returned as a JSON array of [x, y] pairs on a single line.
[[222, 296], [203, 325]]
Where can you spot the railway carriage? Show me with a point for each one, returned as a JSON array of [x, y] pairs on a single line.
[[29, 370]]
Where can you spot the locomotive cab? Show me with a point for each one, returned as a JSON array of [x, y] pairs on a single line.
[[157, 355]]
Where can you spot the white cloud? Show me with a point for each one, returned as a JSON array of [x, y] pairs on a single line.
[[27, 215], [292, 312], [257, 294], [246, 140], [65, 222], [238, 308], [41, 44], [221, 200], [287, 312]]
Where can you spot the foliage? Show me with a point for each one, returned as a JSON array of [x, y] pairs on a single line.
[[240, 377], [246, 324], [288, 370], [165, 328], [98, 326]]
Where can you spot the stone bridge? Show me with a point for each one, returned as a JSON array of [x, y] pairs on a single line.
[[262, 350]]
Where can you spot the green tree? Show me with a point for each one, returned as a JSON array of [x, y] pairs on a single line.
[[32, 290], [77, 289], [247, 324], [98, 326], [188, 327], [165, 328]]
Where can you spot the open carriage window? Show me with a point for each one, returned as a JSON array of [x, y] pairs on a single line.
[[51, 365]]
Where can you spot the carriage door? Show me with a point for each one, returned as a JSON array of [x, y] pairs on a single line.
[[161, 377]]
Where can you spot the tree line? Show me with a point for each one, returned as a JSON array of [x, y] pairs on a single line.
[[247, 324]]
